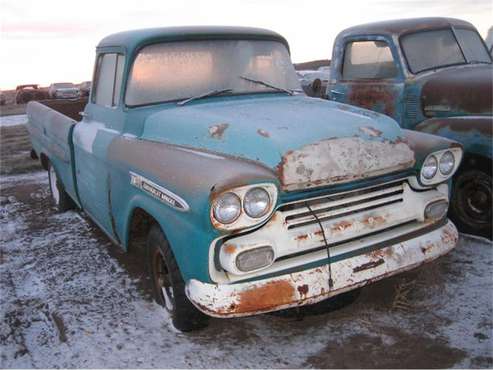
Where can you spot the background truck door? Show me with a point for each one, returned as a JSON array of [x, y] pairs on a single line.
[[92, 136], [367, 75]]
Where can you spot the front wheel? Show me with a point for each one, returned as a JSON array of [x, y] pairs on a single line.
[[59, 196], [168, 285], [471, 202]]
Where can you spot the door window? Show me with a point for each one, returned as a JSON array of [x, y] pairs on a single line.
[[368, 60], [109, 73]]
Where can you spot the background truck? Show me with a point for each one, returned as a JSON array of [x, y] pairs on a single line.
[[252, 197], [433, 75]]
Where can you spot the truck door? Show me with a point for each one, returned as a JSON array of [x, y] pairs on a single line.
[[368, 76], [101, 123]]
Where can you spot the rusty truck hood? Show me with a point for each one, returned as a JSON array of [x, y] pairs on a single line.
[[458, 91], [307, 142]]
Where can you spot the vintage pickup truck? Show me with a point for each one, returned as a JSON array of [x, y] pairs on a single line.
[[433, 75], [252, 196]]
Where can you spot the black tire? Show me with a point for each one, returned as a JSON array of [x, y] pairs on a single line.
[[471, 203], [59, 196], [168, 285]]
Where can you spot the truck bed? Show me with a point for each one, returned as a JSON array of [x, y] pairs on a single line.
[[50, 126]]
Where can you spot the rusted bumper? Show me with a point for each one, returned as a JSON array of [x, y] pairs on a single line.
[[311, 286]]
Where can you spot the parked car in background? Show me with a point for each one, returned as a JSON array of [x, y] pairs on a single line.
[[63, 90], [85, 88], [252, 196], [26, 93], [433, 75]]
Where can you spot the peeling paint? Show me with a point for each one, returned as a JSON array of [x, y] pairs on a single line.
[[371, 131], [369, 265], [263, 133], [344, 159], [217, 131]]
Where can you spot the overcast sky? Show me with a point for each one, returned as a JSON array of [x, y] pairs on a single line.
[[43, 41]]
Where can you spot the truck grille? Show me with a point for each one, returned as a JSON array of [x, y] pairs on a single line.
[[332, 207]]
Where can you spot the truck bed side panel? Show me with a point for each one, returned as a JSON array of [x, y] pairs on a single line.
[[51, 134]]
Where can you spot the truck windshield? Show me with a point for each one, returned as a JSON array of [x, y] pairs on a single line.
[[440, 48], [181, 70]]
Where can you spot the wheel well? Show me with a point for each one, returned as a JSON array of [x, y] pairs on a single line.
[[140, 224], [477, 162], [44, 161]]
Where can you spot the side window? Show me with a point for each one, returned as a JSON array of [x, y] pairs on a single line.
[[108, 79], [368, 60]]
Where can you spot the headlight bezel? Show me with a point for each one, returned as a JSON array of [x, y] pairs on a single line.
[[244, 220], [439, 177]]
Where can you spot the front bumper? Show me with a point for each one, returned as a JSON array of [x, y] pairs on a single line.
[[312, 285]]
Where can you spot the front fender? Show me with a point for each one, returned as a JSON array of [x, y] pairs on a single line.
[[473, 132], [194, 176], [423, 144]]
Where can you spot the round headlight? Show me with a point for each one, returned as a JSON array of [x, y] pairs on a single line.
[[227, 208], [447, 163], [430, 167], [256, 202]]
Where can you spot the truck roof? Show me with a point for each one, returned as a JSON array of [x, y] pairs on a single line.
[[135, 39], [402, 26]]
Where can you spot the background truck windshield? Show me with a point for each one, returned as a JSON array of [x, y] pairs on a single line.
[[180, 70], [434, 49]]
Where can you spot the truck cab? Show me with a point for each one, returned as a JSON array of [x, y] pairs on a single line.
[[432, 75]]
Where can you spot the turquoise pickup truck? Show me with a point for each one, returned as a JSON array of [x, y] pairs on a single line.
[[252, 196]]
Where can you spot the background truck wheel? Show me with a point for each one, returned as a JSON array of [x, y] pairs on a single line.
[[168, 285], [471, 202], [58, 194]]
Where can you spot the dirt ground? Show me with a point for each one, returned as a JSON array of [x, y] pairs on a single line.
[[72, 299]]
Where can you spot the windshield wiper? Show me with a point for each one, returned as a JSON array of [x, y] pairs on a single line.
[[205, 95], [266, 84]]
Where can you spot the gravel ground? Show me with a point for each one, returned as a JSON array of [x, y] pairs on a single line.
[[72, 299]]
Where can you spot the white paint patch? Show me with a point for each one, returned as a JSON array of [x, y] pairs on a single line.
[[16, 120], [84, 136], [335, 161]]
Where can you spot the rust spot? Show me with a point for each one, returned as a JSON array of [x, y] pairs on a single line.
[[341, 226], [371, 131], [369, 265], [263, 133], [426, 248], [271, 294], [374, 221], [229, 249], [373, 97], [302, 237], [303, 290], [448, 237], [217, 131], [377, 254]]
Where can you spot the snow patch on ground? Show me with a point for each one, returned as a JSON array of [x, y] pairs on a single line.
[[15, 120], [68, 302]]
